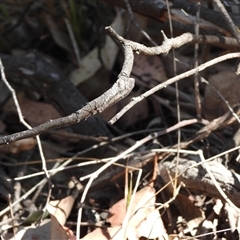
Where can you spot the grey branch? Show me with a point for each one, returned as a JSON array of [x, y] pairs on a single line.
[[121, 88]]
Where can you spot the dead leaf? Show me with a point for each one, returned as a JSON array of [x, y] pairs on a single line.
[[152, 227], [19, 146], [60, 232], [143, 204], [113, 233]]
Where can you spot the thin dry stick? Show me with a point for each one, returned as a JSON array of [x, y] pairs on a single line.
[[209, 233], [59, 169], [21, 119], [44, 166], [223, 153], [177, 91], [121, 88], [200, 68], [228, 20], [12, 216], [127, 216], [137, 145], [164, 150], [87, 150], [175, 193], [196, 75], [91, 162], [27, 194]]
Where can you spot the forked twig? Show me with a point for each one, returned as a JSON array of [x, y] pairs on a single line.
[[200, 68], [124, 84]]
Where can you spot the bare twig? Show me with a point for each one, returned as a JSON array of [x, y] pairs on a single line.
[[215, 124], [176, 89], [135, 100], [130, 206], [196, 75], [119, 90], [123, 85], [12, 216]]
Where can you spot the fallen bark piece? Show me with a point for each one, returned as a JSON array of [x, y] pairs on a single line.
[[197, 180]]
